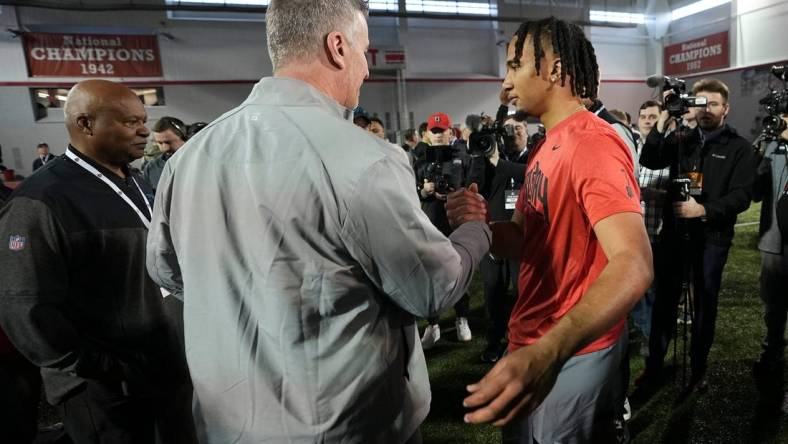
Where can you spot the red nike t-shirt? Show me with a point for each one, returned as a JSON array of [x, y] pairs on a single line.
[[581, 174]]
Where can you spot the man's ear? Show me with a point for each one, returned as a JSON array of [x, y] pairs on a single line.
[[85, 124], [336, 49], [555, 73]]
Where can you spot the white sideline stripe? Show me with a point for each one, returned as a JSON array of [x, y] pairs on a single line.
[[746, 224]]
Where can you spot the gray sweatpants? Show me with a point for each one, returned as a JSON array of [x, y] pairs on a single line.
[[581, 406]]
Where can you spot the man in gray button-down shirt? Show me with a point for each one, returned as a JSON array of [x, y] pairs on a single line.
[[299, 248]]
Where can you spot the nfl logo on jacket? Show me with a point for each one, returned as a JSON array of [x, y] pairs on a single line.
[[16, 243]]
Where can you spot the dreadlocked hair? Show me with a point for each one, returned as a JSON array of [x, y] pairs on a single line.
[[578, 59]]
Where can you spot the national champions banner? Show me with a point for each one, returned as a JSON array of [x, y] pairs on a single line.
[[703, 54], [92, 55]]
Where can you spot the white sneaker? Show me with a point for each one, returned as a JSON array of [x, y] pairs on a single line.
[[431, 335], [627, 410], [463, 330]]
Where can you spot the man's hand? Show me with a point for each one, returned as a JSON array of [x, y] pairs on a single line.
[[495, 156], [688, 210], [428, 189], [664, 119], [466, 205], [514, 387]]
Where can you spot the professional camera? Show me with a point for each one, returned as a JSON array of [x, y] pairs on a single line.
[[678, 102], [444, 168], [776, 104], [484, 141]]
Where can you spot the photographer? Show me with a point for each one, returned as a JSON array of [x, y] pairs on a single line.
[[699, 227], [440, 169], [770, 187], [503, 176]]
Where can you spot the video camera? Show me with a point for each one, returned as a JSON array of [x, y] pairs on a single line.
[[490, 135], [444, 168], [776, 104], [678, 102], [482, 141]]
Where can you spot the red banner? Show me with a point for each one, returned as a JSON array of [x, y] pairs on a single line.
[[92, 55], [703, 54]]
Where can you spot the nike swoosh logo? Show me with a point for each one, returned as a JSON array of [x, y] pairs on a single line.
[[555, 147]]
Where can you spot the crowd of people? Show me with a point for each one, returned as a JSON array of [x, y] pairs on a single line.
[[275, 295]]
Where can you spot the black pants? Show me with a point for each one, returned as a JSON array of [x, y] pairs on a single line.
[[774, 293], [497, 276], [708, 261], [461, 309], [100, 413], [20, 392]]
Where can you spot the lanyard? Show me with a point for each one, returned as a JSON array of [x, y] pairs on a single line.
[[89, 168]]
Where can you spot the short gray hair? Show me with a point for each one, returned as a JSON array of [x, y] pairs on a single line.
[[296, 29]]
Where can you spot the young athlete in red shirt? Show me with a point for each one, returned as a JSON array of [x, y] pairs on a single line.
[[585, 255]]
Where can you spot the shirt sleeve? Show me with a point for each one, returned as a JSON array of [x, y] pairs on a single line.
[[35, 285], [400, 251], [161, 259], [602, 178]]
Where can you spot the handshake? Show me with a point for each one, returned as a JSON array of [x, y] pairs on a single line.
[[466, 205]]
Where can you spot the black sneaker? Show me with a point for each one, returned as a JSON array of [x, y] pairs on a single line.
[[768, 376], [493, 353]]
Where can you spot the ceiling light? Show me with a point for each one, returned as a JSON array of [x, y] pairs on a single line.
[[695, 8]]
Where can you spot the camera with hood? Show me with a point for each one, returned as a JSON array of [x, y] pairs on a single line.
[[776, 104], [677, 102], [444, 168], [490, 135]]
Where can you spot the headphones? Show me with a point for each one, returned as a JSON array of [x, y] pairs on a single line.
[[178, 126]]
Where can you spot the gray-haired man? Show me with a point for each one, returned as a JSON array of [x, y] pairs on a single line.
[[308, 256]]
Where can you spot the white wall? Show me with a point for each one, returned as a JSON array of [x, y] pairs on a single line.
[[761, 31]]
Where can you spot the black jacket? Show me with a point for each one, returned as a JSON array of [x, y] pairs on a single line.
[[728, 165], [38, 163], [770, 181], [497, 180], [75, 297]]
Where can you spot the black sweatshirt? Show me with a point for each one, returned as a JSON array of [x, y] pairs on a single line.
[[75, 297], [727, 162]]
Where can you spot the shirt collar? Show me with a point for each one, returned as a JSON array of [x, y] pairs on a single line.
[[101, 169], [289, 91]]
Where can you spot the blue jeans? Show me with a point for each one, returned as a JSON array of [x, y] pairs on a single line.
[[641, 313]]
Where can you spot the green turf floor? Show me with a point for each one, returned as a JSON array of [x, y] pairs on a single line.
[[728, 413]]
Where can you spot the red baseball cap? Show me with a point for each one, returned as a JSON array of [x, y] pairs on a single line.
[[438, 120]]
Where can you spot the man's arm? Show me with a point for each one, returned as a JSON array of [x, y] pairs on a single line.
[[401, 251], [161, 260], [507, 237], [521, 380], [659, 151], [35, 285]]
